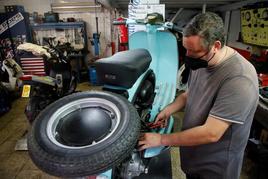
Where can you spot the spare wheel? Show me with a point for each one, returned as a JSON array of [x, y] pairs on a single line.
[[84, 134]]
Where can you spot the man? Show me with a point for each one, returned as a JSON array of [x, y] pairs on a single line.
[[220, 103]]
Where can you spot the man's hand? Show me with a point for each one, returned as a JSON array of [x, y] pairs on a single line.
[[148, 140], [162, 117]]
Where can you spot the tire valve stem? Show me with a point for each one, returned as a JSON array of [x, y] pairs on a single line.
[[56, 135], [112, 115], [146, 170]]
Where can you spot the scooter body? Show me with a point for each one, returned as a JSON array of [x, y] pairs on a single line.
[[100, 129], [162, 46]]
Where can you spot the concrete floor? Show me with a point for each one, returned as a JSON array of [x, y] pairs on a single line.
[[17, 164]]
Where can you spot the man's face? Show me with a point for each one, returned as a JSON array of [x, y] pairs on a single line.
[[194, 48]]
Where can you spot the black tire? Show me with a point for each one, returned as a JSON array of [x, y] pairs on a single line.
[[32, 109], [5, 103], [70, 161]]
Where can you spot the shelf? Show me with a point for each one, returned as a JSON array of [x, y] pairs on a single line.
[[63, 26], [59, 25], [71, 28]]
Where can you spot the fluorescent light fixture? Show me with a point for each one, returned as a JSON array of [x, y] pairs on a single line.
[[75, 7]]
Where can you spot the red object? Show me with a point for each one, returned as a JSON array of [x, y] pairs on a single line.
[[33, 66], [263, 78], [246, 54], [122, 47], [26, 78], [123, 31], [153, 125], [263, 56]]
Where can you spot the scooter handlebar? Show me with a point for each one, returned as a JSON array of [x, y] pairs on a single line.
[[172, 26], [177, 28]]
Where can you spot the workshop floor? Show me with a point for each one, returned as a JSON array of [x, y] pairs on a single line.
[[17, 164]]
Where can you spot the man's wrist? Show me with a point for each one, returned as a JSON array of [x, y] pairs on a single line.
[[167, 111], [162, 139]]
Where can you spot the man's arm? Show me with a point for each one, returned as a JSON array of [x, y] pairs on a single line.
[[173, 107], [177, 104], [210, 132]]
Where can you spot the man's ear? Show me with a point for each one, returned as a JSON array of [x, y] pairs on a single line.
[[217, 46]]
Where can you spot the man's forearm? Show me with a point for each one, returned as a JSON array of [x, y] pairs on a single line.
[[178, 104], [191, 137], [211, 131]]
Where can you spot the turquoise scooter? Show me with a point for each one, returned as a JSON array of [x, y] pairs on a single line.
[[95, 133]]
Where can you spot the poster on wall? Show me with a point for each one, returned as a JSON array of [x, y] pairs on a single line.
[[140, 12]]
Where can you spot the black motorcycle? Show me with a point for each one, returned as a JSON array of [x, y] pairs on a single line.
[[44, 86]]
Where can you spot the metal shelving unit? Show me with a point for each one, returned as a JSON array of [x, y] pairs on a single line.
[[62, 26], [74, 32]]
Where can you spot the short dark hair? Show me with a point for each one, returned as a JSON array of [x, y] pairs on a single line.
[[209, 26]]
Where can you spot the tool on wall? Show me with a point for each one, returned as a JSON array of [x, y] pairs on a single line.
[[96, 36]]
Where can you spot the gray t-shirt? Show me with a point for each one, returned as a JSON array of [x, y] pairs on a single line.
[[229, 92]]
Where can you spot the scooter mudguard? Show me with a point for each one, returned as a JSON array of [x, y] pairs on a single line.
[[162, 46]]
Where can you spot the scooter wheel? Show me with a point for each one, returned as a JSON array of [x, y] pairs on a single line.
[[32, 109], [84, 134]]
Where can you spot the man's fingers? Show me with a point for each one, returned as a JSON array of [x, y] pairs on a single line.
[[160, 117], [141, 142], [142, 136], [142, 147], [159, 120], [150, 140], [166, 121]]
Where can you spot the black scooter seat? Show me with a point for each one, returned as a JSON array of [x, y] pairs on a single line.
[[123, 68]]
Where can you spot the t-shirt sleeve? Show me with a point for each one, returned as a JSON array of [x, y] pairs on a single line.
[[189, 78], [235, 100]]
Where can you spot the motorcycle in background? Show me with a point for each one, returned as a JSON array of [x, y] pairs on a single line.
[[55, 81]]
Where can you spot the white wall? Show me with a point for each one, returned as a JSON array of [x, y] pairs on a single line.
[[104, 26], [104, 20]]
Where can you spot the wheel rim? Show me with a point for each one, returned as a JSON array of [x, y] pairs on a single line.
[[73, 127]]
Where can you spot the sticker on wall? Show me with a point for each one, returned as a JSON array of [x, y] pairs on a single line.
[[11, 22]]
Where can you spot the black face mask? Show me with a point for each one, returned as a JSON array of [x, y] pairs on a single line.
[[196, 63]]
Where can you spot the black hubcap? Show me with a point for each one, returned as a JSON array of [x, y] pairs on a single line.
[[84, 127]]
